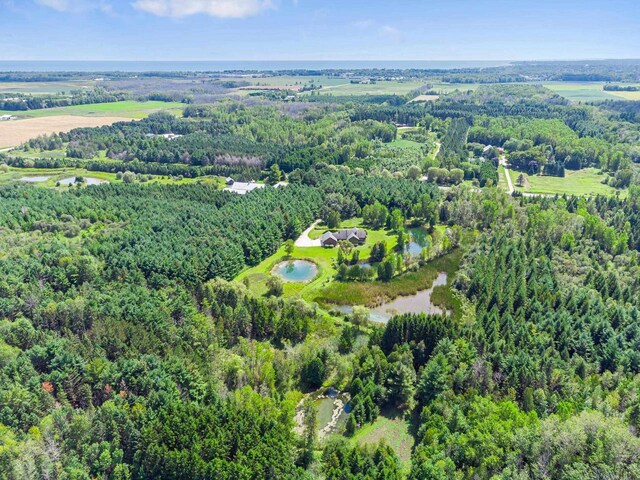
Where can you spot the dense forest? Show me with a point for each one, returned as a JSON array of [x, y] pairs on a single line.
[[144, 333]]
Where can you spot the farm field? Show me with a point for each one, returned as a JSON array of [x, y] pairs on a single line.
[[575, 182], [379, 88], [16, 132], [582, 91], [127, 110], [44, 88], [626, 95]]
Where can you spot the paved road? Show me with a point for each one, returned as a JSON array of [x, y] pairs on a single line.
[[2, 150], [304, 240]]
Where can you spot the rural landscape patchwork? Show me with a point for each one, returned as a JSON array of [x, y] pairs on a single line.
[[349, 270]]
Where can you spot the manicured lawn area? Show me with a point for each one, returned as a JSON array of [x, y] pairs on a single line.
[[324, 258], [327, 291], [575, 182], [394, 429], [402, 143], [129, 109]]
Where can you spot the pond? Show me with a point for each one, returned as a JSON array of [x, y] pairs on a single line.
[[87, 181], [419, 238], [418, 303], [297, 271], [34, 179]]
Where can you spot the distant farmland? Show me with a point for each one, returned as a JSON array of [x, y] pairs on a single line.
[[129, 109], [16, 132]]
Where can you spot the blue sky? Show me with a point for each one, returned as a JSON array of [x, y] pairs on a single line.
[[318, 29]]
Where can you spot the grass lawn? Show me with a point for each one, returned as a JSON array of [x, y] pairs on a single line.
[[394, 429], [324, 258], [128, 109], [326, 291], [402, 143], [575, 182]]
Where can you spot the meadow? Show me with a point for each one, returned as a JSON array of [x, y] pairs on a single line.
[[127, 109], [392, 428], [587, 181]]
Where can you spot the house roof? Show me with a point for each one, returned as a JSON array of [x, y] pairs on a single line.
[[348, 234], [242, 188]]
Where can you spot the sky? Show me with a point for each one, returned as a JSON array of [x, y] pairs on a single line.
[[319, 29]]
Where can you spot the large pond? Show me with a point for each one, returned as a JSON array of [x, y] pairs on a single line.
[[298, 271], [418, 303], [34, 179], [419, 238], [87, 181]]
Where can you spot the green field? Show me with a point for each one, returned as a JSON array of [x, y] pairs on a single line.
[[128, 109], [581, 91], [44, 88], [391, 428], [575, 182], [379, 88]]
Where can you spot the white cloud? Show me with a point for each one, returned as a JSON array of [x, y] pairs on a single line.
[[215, 8], [364, 24], [392, 33], [77, 6], [60, 5]]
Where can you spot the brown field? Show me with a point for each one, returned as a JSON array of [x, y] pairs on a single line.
[[425, 98], [16, 132], [276, 88]]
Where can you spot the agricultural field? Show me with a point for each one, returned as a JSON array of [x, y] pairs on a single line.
[[33, 123], [44, 88], [587, 181], [378, 88], [586, 91], [126, 110], [16, 132], [627, 95]]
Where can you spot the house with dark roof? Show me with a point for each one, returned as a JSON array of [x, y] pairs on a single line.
[[354, 235]]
